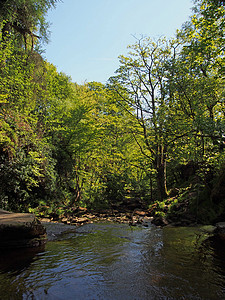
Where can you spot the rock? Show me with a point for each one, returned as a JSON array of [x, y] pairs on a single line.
[[83, 209], [4, 212], [45, 220], [139, 212], [89, 216], [147, 221], [80, 220], [19, 230], [160, 221], [64, 220], [220, 230]]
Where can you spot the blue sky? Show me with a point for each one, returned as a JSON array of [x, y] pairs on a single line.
[[87, 36]]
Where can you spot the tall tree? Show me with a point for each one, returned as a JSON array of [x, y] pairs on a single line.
[[199, 74], [143, 75]]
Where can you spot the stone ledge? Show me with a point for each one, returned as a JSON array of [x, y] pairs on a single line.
[[19, 230]]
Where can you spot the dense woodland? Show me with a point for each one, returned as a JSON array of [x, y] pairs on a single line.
[[153, 136]]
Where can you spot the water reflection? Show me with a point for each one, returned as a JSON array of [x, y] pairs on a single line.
[[179, 270], [16, 261], [217, 248], [13, 265], [111, 261]]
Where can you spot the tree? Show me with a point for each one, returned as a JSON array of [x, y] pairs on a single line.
[[114, 156], [91, 150], [25, 20], [143, 75], [199, 75]]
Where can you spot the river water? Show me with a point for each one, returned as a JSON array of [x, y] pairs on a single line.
[[114, 261]]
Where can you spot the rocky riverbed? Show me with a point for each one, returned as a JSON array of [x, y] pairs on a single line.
[[82, 216], [18, 230]]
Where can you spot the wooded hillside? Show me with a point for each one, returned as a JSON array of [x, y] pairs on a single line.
[[153, 135]]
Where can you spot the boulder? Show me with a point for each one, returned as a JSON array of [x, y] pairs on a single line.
[[18, 230], [160, 221], [220, 230]]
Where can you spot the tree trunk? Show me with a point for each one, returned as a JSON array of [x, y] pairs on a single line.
[[161, 181], [161, 173]]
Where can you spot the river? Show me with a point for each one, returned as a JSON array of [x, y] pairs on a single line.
[[115, 261]]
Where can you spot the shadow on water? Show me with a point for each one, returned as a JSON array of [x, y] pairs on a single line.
[[13, 264], [217, 247], [16, 261], [111, 261]]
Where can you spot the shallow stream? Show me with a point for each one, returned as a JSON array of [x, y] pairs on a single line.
[[115, 261]]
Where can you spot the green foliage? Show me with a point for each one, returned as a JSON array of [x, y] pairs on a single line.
[[158, 124], [24, 21]]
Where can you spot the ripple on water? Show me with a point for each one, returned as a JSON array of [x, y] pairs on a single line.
[[111, 261]]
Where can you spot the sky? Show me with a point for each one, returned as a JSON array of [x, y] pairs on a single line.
[[87, 36]]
